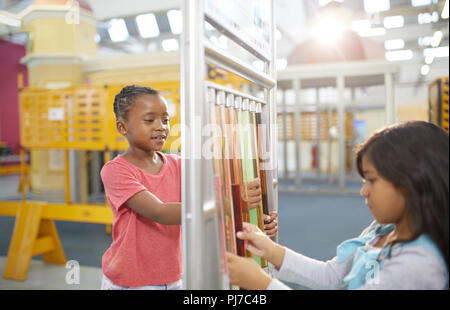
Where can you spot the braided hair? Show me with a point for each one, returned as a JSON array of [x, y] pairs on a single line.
[[126, 97]]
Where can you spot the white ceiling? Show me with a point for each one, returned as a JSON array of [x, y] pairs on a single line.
[[291, 16]]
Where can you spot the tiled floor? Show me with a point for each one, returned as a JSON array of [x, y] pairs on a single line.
[[42, 276]]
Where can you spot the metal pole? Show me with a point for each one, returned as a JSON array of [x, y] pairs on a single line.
[[298, 132], [273, 132], [192, 102], [391, 109], [318, 137], [340, 83], [285, 136], [330, 124]]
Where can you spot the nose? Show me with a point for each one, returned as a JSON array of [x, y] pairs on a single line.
[[364, 191]]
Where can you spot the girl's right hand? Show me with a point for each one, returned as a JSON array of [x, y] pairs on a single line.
[[260, 244]]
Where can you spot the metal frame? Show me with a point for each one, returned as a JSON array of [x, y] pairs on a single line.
[[293, 77], [202, 263]]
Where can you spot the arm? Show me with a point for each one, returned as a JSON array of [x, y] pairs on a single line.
[[149, 206], [294, 267]]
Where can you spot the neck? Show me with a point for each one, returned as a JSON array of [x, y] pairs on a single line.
[[141, 155], [403, 230]]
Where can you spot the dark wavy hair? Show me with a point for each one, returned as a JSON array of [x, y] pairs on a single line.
[[414, 157], [126, 97]]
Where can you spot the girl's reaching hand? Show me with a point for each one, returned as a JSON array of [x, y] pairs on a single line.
[[259, 244], [246, 273]]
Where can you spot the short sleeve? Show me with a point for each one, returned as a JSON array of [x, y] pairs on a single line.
[[120, 183]]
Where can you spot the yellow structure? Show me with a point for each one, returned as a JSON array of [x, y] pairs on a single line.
[[438, 104]]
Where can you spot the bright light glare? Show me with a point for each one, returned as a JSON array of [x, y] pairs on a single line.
[[170, 45], [436, 40], [394, 44], [420, 2], [373, 6], [429, 59], [175, 21], [425, 69], [359, 25], [118, 30], [436, 52], [372, 32], [399, 55], [328, 31], [147, 25], [393, 22]]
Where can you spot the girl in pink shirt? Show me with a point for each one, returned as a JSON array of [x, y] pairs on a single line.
[[143, 189]]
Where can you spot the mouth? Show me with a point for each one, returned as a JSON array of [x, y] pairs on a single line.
[[161, 138]]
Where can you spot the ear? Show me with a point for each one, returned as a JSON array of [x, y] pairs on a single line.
[[121, 127]]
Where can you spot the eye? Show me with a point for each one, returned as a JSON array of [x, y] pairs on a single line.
[[149, 120], [165, 121]]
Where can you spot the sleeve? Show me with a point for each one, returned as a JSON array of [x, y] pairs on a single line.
[[277, 285], [412, 268], [120, 184], [299, 269]]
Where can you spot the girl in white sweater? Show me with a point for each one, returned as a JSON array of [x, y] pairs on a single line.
[[405, 168]]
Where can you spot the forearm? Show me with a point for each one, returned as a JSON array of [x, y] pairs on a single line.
[[168, 214], [297, 268]]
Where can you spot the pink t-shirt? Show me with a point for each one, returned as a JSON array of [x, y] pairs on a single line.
[[143, 252]]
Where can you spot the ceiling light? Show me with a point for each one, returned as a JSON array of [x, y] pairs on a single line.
[[425, 69], [372, 32], [424, 41], [394, 44], [117, 30], [429, 59], [399, 55], [436, 52], [373, 6], [147, 25], [444, 14], [393, 22], [420, 2], [426, 18], [175, 21], [436, 40], [170, 45]]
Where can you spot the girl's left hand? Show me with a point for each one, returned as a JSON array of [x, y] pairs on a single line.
[[254, 194], [246, 273]]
